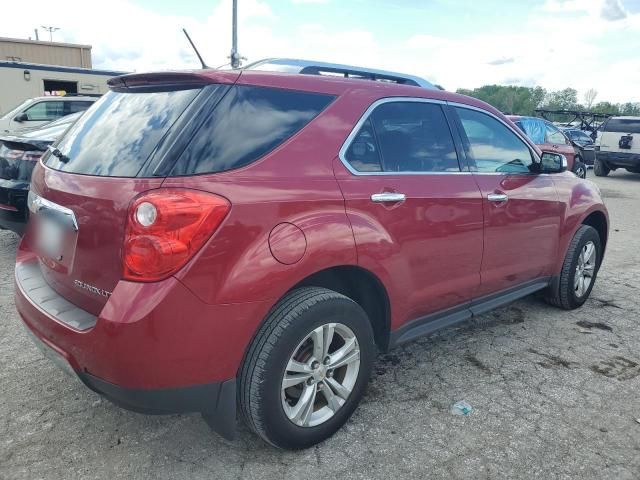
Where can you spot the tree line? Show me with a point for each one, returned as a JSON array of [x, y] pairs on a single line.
[[525, 100]]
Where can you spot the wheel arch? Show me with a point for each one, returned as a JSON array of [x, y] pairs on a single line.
[[364, 288], [355, 282], [598, 220]]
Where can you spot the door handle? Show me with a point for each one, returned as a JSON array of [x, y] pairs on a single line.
[[497, 197], [388, 197]]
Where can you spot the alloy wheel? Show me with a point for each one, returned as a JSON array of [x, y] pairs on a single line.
[[585, 269], [320, 375]]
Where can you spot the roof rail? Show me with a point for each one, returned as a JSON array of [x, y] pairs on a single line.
[[311, 67]]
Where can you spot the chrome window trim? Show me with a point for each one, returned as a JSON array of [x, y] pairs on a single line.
[[356, 129], [347, 143]]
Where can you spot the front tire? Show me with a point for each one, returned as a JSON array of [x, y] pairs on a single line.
[[579, 270], [579, 168], [600, 169], [307, 368]]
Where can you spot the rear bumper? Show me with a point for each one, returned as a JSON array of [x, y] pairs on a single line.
[[619, 159], [216, 401], [13, 205], [154, 348]]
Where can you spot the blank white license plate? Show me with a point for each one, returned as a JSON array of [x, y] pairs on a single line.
[[50, 238]]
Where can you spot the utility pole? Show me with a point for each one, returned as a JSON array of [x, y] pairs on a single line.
[[36, 32], [50, 30], [235, 56]]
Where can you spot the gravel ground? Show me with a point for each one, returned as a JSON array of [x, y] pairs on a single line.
[[554, 395]]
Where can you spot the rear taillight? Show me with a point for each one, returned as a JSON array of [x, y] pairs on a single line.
[[165, 228]]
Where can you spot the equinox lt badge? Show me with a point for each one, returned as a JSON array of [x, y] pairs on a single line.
[[91, 288]]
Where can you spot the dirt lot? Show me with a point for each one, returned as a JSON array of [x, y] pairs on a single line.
[[554, 395]]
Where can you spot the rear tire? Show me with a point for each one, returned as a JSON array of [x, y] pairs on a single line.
[[600, 169], [567, 291], [287, 342]]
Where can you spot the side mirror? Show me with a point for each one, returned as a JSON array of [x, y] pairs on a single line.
[[553, 163], [21, 117]]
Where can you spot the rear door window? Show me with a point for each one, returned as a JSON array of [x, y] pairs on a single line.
[[404, 137], [623, 125], [248, 123], [119, 132]]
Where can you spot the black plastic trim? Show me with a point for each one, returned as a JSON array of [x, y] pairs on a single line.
[[182, 132], [216, 401], [446, 318]]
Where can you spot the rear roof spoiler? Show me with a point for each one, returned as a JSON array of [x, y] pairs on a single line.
[[196, 78]]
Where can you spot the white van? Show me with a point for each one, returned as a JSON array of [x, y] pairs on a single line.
[[618, 146]]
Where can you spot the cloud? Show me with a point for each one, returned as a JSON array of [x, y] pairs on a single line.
[[501, 61], [609, 10], [309, 1], [613, 10], [128, 37]]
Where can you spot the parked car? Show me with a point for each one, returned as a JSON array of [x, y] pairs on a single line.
[[18, 155], [551, 139], [36, 112], [204, 238], [582, 143], [618, 146]]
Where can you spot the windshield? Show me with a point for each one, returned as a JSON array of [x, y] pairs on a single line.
[[117, 135], [579, 135], [623, 125]]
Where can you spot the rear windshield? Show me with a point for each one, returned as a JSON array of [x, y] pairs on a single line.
[[117, 135], [248, 123], [623, 125]]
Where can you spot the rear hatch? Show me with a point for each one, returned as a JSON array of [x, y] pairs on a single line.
[[621, 135], [118, 149]]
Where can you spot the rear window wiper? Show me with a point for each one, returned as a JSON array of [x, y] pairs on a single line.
[[57, 153]]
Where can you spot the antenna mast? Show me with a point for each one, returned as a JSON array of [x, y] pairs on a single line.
[[235, 57], [204, 65]]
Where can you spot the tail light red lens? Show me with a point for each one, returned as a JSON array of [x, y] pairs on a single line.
[[165, 228]]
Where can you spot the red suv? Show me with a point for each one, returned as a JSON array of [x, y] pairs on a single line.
[[551, 139], [207, 241]]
